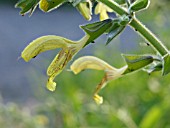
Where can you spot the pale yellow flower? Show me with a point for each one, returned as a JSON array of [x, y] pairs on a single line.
[[42, 44], [102, 10], [91, 62]]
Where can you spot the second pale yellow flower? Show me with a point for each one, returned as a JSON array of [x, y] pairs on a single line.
[[91, 62]]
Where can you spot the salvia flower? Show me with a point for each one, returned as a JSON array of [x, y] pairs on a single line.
[[102, 10], [50, 42], [91, 62]]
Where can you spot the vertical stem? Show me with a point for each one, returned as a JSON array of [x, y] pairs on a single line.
[[137, 25], [147, 34]]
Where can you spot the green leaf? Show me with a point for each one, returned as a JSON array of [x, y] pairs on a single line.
[[139, 5], [48, 5], [96, 29], [153, 68], [27, 6], [166, 64], [136, 62], [115, 31], [55, 3], [118, 25]]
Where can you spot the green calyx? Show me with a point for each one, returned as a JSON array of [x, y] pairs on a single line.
[[94, 30], [136, 62], [118, 25]]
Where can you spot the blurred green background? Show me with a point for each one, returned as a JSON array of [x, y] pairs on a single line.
[[137, 100]]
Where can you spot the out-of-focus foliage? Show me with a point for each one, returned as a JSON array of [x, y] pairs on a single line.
[[135, 100], [12, 116], [138, 100]]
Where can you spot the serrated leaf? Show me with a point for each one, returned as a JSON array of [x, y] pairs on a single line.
[[166, 64], [136, 62], [96, 29], [27, 6], [49, 5], [139, 5]]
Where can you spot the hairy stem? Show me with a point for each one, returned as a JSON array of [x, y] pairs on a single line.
[[137, 25], [147, 34]]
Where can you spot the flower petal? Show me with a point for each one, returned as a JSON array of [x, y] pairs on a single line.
[[90, 62], [103, 15], [58, 63], [51, 85], [102, 9], [112, 75], [85, 10], [43, 44], [98, 99], [63, 57], [98, 9]]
